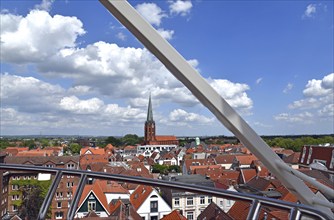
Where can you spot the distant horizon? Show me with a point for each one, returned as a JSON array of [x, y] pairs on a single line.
[[190, 136]]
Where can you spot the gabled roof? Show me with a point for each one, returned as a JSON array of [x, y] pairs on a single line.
[[108, 186], [141, 193], [174, 215], [245, 159], [92, 150], [213, 212], [95, 189], [293, 158], [259, 183], [247, 174]]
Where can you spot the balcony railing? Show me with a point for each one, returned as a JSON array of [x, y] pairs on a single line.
[[296, 211]]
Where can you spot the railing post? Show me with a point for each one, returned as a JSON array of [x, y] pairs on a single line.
[[254, 210], [49, 196], [76, 198]]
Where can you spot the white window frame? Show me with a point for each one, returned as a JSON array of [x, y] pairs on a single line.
[[91, 206], [202, 200], [190, 201], [177, 202]]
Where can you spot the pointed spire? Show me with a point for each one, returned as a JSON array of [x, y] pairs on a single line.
[[149, 111]]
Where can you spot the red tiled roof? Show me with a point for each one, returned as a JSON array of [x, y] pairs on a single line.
[[165, 138], [140, 195], [174, 215], [99, 151], [293, 158], [247, 174], [111, 187], [239, 210], [95, 188], [198, 162], [224, 159], [130, 147], [245, 159]]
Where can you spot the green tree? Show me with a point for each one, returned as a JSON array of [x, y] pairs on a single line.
[[74, 148], [29, 143], [32, 193], [114, 141], [130, 139]]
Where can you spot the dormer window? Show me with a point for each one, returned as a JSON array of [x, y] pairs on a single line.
[[70, 166]]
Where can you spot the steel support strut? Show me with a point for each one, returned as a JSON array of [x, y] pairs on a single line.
[[200, 88]]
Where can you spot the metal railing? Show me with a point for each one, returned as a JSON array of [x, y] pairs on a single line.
[[296, 211]]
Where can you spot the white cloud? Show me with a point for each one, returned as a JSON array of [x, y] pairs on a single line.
[[259, 80], [29, 94], [322, 87], [151, 12], [288, 87], [121, 36], [37, 36], [310, 11], [167, 34], [45, 5], [75, 105], [180, 7], [304, 117], [327, 111], [181, 117], [234, 93], [318, 102]]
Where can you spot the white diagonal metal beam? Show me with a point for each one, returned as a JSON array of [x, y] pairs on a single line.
[[184, 72]]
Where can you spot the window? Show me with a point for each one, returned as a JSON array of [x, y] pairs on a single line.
[[209, 199], [91, 206], [69, 194], [190, 200], [228, 203], [154, 206], [190, 215], [202, 200], [70, 184], [15, 187], [177, 202], [14, 208], [221, 203], [154, 217], [71, 166], [15, 197], [58, 205], [59, 215]]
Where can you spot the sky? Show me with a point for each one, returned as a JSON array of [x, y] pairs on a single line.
[[70, 68]]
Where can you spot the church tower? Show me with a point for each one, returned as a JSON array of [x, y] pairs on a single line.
[[149, 125]]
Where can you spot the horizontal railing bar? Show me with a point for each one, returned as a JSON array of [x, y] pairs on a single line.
[[174, 185]]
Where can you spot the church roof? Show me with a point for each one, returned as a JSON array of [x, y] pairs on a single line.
[[149, 111]]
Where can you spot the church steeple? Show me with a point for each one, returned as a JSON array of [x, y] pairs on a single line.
[[149, 125], [149, 111]]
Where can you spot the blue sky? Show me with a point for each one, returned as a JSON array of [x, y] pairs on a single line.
[[68, 67]]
